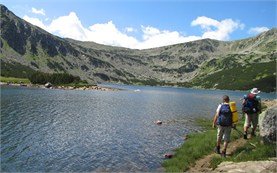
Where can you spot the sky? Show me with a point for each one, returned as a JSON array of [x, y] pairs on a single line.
[[142, 24]]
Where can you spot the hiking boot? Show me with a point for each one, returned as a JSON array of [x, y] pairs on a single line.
[[217, 150], [245, 135], [253, 134], [223, 154]]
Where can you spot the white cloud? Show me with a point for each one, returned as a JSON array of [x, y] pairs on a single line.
[[130, 29], [36, 11], [214, 29], [205, 22], [257, 30], [107, 33], [153, 37], [70, 26], [35, 21]]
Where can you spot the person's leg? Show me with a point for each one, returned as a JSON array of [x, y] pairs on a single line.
[[247, 124], [218, 140], [225, 148], [254, 118], [226, 138]]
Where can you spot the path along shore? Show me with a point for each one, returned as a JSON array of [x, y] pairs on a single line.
[[204, 164]]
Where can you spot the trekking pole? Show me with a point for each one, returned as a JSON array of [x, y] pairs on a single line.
[[241, 133]]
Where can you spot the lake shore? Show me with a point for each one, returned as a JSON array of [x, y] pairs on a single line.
[[196, 154], [62, 87]]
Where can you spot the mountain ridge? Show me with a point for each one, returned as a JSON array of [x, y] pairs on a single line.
[[179, 64]]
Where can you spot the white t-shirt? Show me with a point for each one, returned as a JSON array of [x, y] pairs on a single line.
[[219, 106]]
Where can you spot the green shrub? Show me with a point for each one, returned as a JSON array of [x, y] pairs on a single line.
[[15, 69], [260, 75], [55, 78], [14, 80]]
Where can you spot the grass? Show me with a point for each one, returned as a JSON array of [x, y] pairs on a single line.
[[197, 145], [14, 80], [253, 150], [201, 144], [15, 69], [27, 81], [261, 75]]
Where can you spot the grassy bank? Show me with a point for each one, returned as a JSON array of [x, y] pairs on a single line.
[[253, 150], [195, 147], [14, 80], [200, 144]]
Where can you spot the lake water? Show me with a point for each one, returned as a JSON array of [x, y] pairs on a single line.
[[82, 131]]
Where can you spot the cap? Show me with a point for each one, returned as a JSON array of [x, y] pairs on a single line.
[[255, 91]]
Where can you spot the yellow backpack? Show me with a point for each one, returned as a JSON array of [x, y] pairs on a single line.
[[235, 115]]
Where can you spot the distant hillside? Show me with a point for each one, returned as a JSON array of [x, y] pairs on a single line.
[[198, 63]]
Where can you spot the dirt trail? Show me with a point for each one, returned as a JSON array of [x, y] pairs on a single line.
[[203, 164]]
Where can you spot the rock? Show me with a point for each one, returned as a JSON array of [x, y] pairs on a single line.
[[159, 122], [22, 84], [48, 85], [186, 137], [168, 156], [250, 166], [270, 103], [267, 124]]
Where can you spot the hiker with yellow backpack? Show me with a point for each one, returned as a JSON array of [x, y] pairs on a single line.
[[225, 118]]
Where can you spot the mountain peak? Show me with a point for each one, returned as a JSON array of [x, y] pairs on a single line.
[[22, 43], [4, 9]]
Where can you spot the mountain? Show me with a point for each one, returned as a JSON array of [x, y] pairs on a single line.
[[26, 48]]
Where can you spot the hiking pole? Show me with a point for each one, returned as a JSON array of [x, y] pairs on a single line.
[[235, 128]]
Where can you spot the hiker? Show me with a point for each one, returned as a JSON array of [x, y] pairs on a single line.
[[223, 120], [251, 106]]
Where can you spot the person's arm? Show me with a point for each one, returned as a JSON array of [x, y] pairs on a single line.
[[243, 104], [215, 119], [260, 107], [260, 104], [216, 115], [244, 100]]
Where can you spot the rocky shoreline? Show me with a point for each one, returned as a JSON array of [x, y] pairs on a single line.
[[88, 87]]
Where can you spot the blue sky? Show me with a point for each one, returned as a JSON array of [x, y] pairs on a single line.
[[145, 24]]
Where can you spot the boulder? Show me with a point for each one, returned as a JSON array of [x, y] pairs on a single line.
[[267, 124], [249, 166], [159, 122], [48, 85], [168, 155]]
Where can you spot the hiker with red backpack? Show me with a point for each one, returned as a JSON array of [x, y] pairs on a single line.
[[251, 106], [223, 120]]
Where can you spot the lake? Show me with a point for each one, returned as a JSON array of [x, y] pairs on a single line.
[[82, 131]]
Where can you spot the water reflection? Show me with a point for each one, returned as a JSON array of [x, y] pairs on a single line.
[[59, 130]]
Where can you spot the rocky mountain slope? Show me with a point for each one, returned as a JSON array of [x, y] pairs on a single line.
[[187, 64]]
